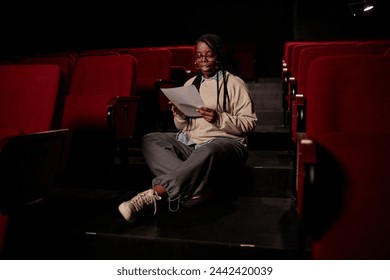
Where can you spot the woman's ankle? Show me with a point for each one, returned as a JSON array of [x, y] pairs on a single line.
[[160, 190]]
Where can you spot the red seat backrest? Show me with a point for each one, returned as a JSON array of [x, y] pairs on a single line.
[[376, 46], [309, 54], [288, 49], [65, 63], [348, 208], [28, 97], [342, 203], [95, 80], [349, 94], [153, 64], [296, 50], [183, 55]]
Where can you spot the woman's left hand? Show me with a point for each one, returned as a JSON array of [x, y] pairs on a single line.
[[208, 114]]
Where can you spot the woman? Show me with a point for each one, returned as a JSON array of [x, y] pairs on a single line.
[[188, 165]]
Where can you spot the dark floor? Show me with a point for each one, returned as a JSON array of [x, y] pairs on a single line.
[[81, 221]]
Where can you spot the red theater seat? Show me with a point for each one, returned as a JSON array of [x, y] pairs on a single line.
[[100, 110], [345, 208], [306, 57], [65, 63], [342, 161], [183, 63], [154, 66], [32, 147], [295, 62]]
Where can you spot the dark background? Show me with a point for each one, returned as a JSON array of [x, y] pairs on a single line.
[[40, 27]]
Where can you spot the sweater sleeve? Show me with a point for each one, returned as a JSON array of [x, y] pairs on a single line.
[[241, 119]]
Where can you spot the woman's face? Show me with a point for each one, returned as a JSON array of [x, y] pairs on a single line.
[[205, 60]]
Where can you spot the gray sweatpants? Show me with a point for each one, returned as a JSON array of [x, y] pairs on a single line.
[[185, 170]]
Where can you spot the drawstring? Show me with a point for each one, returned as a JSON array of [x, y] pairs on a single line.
[[173, 200]]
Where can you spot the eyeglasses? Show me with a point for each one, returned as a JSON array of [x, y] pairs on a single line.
[[210, 56]]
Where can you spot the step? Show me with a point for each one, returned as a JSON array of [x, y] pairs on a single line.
[[86, 224], [271, 137], [270, 173]]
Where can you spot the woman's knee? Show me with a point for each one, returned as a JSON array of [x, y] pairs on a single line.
[[156, 139]]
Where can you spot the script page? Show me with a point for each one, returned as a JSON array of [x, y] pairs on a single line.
[[185, 98]]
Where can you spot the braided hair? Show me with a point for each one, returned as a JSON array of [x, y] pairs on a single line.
[[215, 43]]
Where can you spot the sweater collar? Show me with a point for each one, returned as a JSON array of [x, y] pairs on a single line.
[[217, 74]]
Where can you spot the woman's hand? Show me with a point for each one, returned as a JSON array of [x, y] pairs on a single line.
[[208, 114], [175, 110]]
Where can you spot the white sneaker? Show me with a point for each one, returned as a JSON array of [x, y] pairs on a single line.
[[132, 208]]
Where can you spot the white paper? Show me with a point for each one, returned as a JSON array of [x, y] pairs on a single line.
[[185, 98]]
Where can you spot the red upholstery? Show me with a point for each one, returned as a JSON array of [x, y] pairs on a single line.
[[348, 94], [286, 74], [154, 66], [298, 48], [97, 52], [288, 48], [183, 55], [28, 96], [32, 151], [306, 57], [65, 63], [100, 111], [344, 94], [290, 70], [183, 63], [345, 147], [348, 212], [376, 47], [96, 79]]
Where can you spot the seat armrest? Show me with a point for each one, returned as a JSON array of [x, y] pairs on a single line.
[[121, 116], [306, 156], [298, 117], [31, 166], [163, 100]]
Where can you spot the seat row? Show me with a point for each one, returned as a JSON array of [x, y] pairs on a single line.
[[156, 67], [65, 115], [342, 158], [61, 117], [296, 61]]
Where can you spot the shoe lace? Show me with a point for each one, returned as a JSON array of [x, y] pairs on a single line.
[[146, 199]]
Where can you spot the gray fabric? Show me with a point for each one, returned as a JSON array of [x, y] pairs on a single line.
[[185, 170]]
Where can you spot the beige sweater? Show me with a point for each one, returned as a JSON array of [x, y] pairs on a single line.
[[239, 120]]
